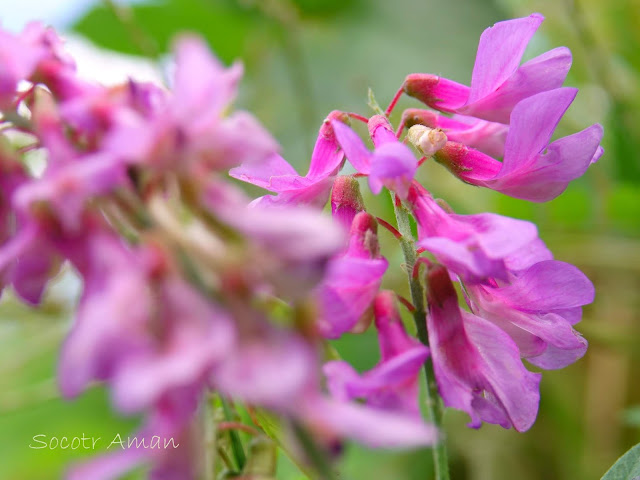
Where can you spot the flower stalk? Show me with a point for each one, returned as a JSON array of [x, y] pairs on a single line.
[[434, 408]]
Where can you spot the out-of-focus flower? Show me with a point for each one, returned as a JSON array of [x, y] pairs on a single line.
[[352, 281], [191, 131], [392, 384]]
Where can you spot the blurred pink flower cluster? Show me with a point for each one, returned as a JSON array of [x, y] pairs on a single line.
[[181, 271]]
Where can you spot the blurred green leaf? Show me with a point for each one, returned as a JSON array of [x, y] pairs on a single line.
[[223, 23], [623, 208], [627, 467], [631, 416]]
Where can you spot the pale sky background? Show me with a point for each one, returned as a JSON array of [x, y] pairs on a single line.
[[93, 63], [58, 13]]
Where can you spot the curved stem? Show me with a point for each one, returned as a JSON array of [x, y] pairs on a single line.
[[434, 403]]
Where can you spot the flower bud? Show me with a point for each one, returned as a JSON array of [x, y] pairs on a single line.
[[441, 294], [381, 131], [427, 140], [363, 238], [436, 92], [419, 116], [346, 200]]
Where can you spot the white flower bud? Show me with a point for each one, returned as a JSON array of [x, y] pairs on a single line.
[[427, 140]]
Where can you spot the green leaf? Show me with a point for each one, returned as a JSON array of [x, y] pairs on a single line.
[[631, 416], [224, 25], [627, 467]]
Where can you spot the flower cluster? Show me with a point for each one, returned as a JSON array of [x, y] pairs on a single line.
[[521, 304], [191, 288], [179, 277]]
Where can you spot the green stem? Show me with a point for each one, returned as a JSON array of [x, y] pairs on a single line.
[[433, 400], [210, 447], [313, 452], [236, 443]]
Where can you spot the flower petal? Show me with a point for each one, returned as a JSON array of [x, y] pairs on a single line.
[[499, 53]]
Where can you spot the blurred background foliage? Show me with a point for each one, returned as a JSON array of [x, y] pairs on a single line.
[[304, 58]]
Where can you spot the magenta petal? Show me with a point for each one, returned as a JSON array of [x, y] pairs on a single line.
[[473, 246], [263, 173], [550, 285], [437, 92], [111, 320], [487, 137], [468, 164], [545, 72], [347, 292], [477, 365], [533, 122], [277, 175], [526, 256], [393, 383], [199, 337], [202, 84], [394, 166], [549, 174], [554, 358], [499, 52], [380, 130], [372, 427], [273, 370], [545, 336], [469, 262], [110, 466], [352, 280], [498, 235], [353, 147]]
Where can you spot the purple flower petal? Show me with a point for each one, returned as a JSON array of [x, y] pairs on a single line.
[[499, 52], [545, 72], [353, 147], [477, 365]]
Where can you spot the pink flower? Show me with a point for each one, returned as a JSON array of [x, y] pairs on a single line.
[[369, 426], [191, 131], [393, 384], [290, 245], [346, 200], [533, 169], [498, 81], [391, 164], [276, 175], [36, 55], [473, 246], [476, 364], [352, 280], [271, 367], [537, 309]]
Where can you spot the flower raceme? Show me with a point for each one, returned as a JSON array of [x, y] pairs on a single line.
[[192, 289]]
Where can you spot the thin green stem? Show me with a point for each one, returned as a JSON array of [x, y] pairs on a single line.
[[210, 447], [313, 452], [236, 443], [434, 406]]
